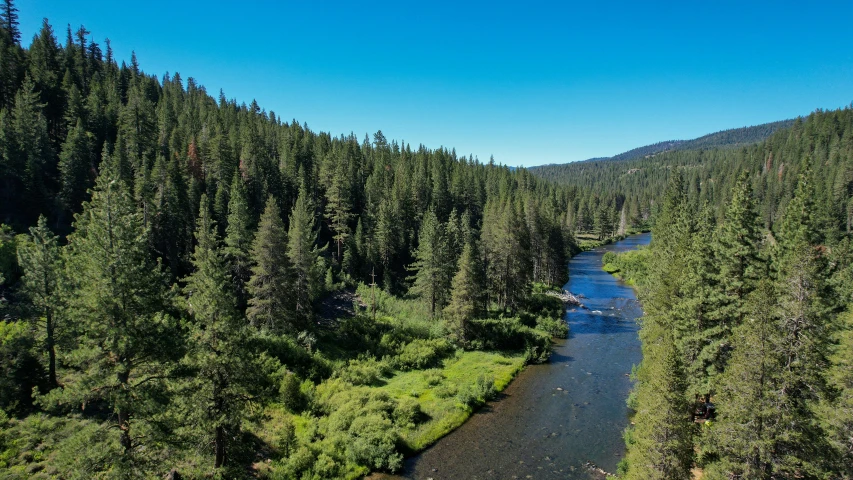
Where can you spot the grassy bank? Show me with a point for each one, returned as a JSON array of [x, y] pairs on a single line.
[[375, 391], [630, 266], [590, 241]]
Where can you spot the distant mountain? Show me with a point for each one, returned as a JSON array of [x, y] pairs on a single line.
[[732, 137]]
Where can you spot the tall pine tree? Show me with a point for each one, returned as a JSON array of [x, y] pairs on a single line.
[[118, 300], [218, 354], [271, 302]]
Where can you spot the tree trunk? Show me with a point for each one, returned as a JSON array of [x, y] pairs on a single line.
[[51, 352], [123, 378], [219, 447]]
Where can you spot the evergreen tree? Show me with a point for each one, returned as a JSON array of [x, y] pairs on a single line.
[[118, 301], [431, 280], [660, 445], [271, 302], [737, 254], [466, 301], [837, 411], [9, 21], [385, 244], [32, 145], [805, 334], [338, 205], [308, 267], [238, 238], [38, 257], [218, 355], [75, 164], [749, 428]]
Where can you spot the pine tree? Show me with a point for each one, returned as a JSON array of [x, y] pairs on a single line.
[[805, 333], [218, 355], [32, 143], [9, 21], [308, 267], [737, 253], [660, 445], [118, 300], [45, 71], [466, 301], [747, 433], [271, 302], [837, 411], [75, 163], [238, 238], [385, 240], [338, 206], [431, 280], [38, 257]]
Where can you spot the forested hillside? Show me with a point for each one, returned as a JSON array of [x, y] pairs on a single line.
[[820, 143], [747, 288], [730, 138], [192, 284]]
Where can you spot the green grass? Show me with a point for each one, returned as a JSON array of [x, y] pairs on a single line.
[[435, 390], [445, 414]]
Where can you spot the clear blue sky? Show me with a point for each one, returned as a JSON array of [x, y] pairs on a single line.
[[528, 82]]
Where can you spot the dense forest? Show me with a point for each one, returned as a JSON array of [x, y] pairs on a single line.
[[195, 287], [746, 286]]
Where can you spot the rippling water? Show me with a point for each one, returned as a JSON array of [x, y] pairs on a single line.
[[554, 418]]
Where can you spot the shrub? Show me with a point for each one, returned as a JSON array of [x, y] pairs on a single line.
[[365, 371], [373, 443], [287, 437], [20, 370], [473, 396], [290, 393], [511, 334], [423, 353], [545, 305], [556, 327], [445, 391], [407, 412], [433, 376]]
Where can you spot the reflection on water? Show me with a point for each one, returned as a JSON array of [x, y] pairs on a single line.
[[553, 418]]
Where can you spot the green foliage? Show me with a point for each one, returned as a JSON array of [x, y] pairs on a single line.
[[373, 443], [8, 255], [509, 333], [630, 266], [224, 371], [38, 256], [271, 305], [423, 353], [118, 300], [557, 328], [432, 278], [308, 267], [466, 302], [20, 369], [367, 371], [473, 396]]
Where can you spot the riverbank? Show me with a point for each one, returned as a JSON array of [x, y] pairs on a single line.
[[555, 418], [371, 391], [374, 410]]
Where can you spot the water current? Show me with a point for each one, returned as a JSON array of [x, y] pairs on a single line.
[[556, 418]]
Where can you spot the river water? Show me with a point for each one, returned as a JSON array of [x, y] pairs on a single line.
[[553, 418]]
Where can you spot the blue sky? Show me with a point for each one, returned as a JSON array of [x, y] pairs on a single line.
[[528, 82]]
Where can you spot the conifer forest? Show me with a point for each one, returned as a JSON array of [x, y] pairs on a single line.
[[194, 287]]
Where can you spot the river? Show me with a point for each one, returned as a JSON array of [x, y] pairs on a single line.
[[553, 418]]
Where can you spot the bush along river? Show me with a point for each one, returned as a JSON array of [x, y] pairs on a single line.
[[563, 419]]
